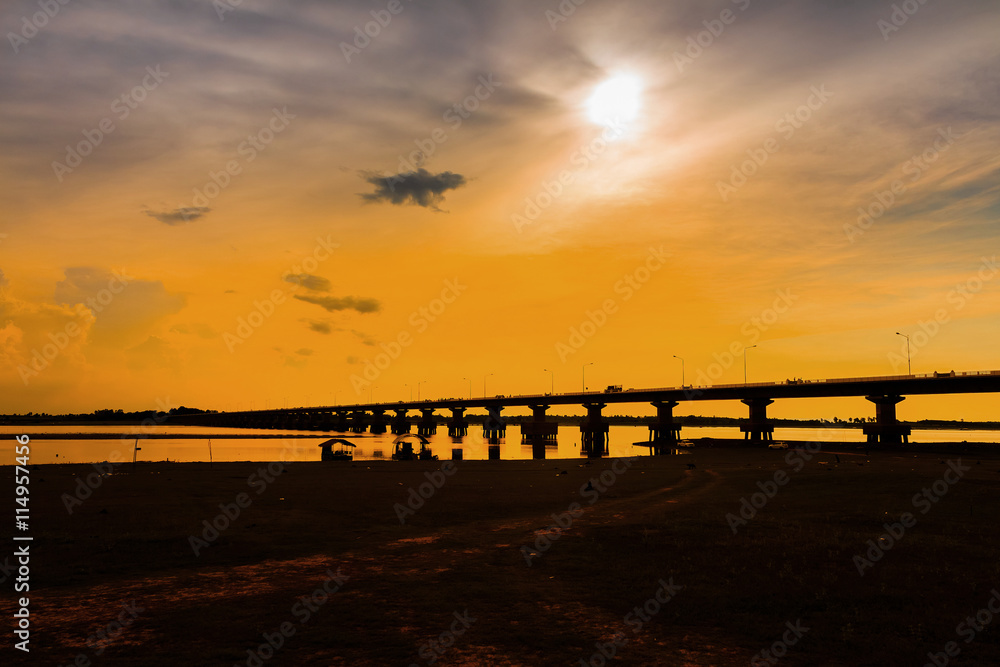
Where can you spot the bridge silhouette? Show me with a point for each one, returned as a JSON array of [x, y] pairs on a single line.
[[664, 433]]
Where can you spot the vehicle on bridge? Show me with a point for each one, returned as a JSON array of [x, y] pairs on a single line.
[[613, 389]]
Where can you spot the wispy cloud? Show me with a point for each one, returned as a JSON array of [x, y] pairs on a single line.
[[179, 216], [334, 304]]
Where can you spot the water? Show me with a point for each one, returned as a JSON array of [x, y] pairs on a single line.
[[251, 447]]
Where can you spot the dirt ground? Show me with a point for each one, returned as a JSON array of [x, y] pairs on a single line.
[[516, 562]]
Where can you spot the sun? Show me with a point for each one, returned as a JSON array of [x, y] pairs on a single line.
[[616, 101]]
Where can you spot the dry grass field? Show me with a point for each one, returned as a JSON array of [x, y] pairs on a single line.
[[518, 562]]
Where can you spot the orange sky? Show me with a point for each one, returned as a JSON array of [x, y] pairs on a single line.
[[513, 196]]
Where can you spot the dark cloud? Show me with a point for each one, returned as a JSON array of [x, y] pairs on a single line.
[[365, 338], [334, 303], [200, 330], [320, 327], [179, 216], [315, 283], [304, 352], [3, 279], [419, 187]]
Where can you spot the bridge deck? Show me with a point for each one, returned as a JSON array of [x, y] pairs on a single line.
[[973, 382]]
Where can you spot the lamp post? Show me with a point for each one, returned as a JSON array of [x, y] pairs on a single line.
[[909, 371], [411, 392], [484, 384], [552, 389], [682, 370], [418, 388], [745, 362], [470, 387], [583, 375]]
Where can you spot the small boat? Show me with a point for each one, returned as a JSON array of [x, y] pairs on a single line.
[[342, 453], [404, 449]]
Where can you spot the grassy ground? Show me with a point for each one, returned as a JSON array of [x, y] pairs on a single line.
[[461, 553]]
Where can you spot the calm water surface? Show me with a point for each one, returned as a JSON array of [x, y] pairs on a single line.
[[251, 447]]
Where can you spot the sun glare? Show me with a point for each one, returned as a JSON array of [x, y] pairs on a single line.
[[616, 101]]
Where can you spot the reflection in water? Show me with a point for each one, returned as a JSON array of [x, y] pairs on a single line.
[[378, 447]]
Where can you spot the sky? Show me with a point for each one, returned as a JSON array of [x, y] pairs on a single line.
[[240, 204]]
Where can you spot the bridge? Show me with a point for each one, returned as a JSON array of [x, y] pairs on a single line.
[[885, 392]]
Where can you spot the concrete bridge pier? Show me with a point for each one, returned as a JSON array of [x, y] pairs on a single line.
[[321, 421], [359, 421], [494, 425], [594, 431], [341, 423], [664, 432], [457, 426], [886, 430], [428, 424], [539, 428], [757, 429], [378, 420], [400, 423]]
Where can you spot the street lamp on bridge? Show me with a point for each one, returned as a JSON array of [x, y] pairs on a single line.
[[552, 390], [908, 370], [583, 375], [745, 362], [470, 387], [682, 370], [484, 383]]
